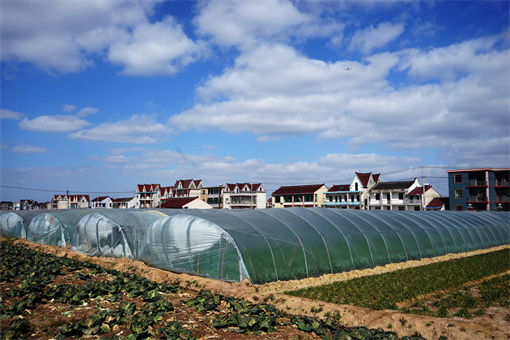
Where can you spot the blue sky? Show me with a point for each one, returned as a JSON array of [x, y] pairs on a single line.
[[98, 96]]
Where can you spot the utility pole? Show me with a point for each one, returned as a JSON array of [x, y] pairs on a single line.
[[423, 188]]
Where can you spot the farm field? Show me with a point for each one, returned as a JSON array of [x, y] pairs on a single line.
[[43, 296], [386, 291]]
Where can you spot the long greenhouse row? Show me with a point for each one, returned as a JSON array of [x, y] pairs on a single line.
[[260, 245]]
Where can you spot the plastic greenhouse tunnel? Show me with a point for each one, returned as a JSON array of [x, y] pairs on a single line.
[[113, 232], [55, 227], [15, 223], [281, 244]]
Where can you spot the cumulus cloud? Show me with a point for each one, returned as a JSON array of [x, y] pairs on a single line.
[[69, 108], [8, 114], [159, 48], [373, 38], [63, 36], [57, 123], [236, 23], [138, 129], [29, 149], [273, 90], [84, 112]]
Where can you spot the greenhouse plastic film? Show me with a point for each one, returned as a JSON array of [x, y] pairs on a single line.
[[15, 224], [114, 233], [55, 227], [192, 245], [282, 244]]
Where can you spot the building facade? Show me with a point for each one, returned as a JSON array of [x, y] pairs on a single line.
[[187, 188], [147, 196], [299, 196], [484, 189], [354, 195], [70, 202], [102, 202], [244, 196], [213, 196], [399, 195]]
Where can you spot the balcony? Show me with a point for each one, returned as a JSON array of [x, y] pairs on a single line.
[[502, 199], [502, 183], [478, 199], [341, 204], [477, 183]]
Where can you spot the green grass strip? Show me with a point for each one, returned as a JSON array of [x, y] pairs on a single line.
[[384, 291]]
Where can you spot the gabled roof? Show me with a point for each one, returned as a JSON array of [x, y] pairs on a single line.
[[175, 203], [392, 185], [231, 187], [435, 203], [74, 198], [340, 187], [419, 190], [364, 178], [376, 177], [100, 198], [187, 184], [298, 189], [147, 187]]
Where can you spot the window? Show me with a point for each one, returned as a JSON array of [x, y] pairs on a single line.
[[401, 196], [458, 194], [459, 207], [457, 178]]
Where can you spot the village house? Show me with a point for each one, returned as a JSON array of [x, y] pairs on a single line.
[[244, 196], [187, 188], [102, 202], [351, 196], [213, 196], [402, 195], [184, 203], [70, 202], [484, 189], [124, 203], [147, 196], [299, 196]]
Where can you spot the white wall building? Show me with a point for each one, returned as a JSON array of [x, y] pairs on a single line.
[[244, 196]]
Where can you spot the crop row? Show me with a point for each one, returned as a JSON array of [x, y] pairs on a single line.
[[36, 286], [385, 291], [469, 302]]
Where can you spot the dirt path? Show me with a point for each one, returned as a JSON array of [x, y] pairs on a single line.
[[404, 324]]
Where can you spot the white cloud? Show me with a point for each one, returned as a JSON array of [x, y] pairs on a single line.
[[237, 23], [139, 129], [159, 48], [373, 38], [29, 149], [69, 108], [117, 159], [8, 114], [57, 123], [335, 168], [86, 111], [272, 90], [63, 36]]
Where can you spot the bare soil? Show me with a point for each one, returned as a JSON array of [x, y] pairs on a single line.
[[493, 325]]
